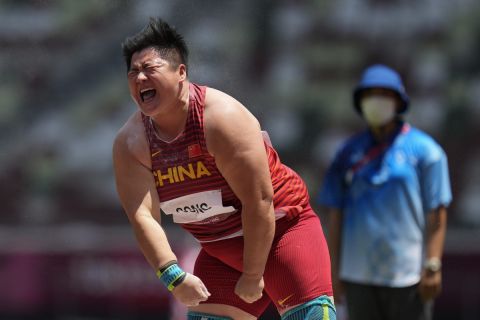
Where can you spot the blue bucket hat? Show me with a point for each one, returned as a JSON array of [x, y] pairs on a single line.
[[381, 76]]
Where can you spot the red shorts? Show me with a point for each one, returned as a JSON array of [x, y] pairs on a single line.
[[297, 270]]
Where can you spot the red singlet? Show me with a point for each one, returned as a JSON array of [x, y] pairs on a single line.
[[192, 189], [183, 167]]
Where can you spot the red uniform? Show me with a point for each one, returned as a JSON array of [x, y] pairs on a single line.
[[194, 192]]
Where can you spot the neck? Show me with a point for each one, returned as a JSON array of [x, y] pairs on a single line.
[[382, 133], [171, 123]]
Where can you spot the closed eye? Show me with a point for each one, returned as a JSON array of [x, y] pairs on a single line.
[[151, 69], [132, 73]]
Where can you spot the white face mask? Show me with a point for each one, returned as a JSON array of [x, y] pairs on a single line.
[[378, 110]]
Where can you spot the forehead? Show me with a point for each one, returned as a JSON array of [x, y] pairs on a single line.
[[146, 55], [379, 92]]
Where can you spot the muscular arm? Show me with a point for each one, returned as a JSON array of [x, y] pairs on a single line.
[[234, 138], [138, 195]]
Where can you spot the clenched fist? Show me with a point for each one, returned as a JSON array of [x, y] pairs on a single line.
[[191, 291], [249, 288]]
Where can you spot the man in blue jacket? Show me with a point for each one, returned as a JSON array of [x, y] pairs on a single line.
[[387, 191]]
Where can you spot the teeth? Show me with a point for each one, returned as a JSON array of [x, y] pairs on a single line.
[[147, 92]]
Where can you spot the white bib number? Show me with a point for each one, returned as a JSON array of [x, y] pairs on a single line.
[[196, 207]]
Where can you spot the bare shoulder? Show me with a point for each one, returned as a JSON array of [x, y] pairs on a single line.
[[228, 124], [221, 107], [131, 141]]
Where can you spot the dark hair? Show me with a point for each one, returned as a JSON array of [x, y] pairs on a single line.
[[159, 35]]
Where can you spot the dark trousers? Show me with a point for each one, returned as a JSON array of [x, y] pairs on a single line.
[[366, 302]]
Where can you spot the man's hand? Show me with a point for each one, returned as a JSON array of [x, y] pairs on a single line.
[[430, 285], [191, 291], [249, 288]]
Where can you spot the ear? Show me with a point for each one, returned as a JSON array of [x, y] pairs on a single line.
[[182, 72]]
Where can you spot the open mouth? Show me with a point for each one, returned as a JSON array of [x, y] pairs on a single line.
[[147, 94]]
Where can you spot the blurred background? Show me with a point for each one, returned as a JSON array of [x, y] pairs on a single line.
[[66, 249]]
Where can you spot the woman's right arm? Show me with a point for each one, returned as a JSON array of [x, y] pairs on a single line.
[[138, 195], [139, 198]]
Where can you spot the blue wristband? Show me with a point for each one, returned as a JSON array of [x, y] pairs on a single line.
[[171, 275]]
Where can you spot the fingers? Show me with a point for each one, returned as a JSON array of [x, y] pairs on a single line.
[[192, 304], [192, 291], [250, 298], [205, 291], [422, 293], [201, 297], [204, 294], [202, 289], [428, 292]]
